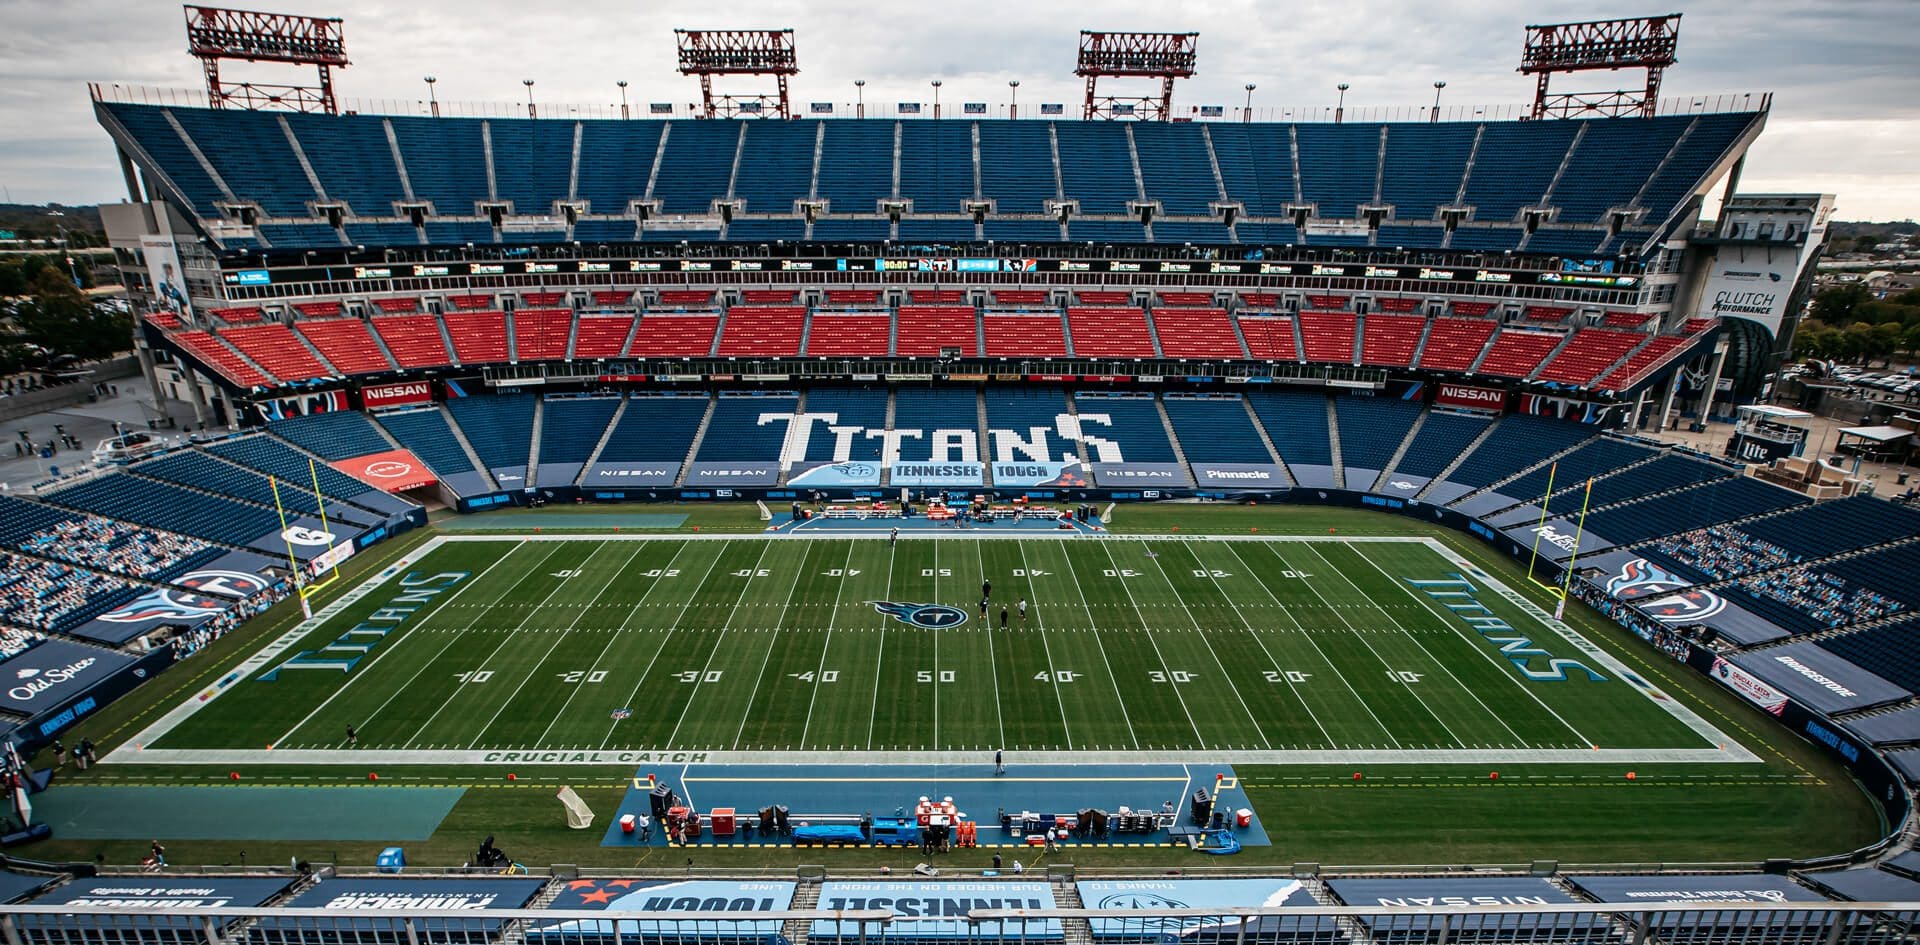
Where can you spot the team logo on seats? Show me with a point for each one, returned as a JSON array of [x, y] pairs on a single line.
[[924, 616], [237, 584], [164, 605], [1662, 593]]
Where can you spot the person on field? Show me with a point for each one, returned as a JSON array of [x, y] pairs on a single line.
[[1023, 610], [1003, 616], [353, 737], [893, 538]]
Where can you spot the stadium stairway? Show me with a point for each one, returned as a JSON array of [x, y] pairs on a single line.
[[1079, 446], [799, 407], [613, 423], [1465, 452], [886, 472], [308, 344], [1166, 422], [1552, 355], [1393, 462], [806, 895], [699, 434], [986, 438], [1553, 457], [533, 447], [446, 339], [1066, 895], [1560, 488], [1333, 443], [1265, 439], [473, 455]]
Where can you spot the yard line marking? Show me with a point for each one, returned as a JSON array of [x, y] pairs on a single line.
[[880, 652], [832, 618], [767, 651], [365, 670], [993, 666], [1052, 670], [1376, 653], [1202, 632], [1075, 581], [700, 680], [662, 648], [1428, 603], [1199, 738], [1188, 547], [506, 636], [1423, 648], [612, 638], [1331, 665]]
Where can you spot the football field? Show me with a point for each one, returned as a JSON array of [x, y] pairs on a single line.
[[621, 649]]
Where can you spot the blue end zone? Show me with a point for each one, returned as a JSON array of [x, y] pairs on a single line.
[[841, 793], [784, 523]]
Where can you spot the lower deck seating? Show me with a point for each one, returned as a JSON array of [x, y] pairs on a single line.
[[1891, 652], [169, 507], [570, 427], [99, 543], [50, 596], [1297, 425], [1442, 437], [1215, 430], [1518, 442], [428, 435], [336, 434], [735, 432], [1131, 423], [947, 419], [500, 427], [655, 429], [1371, 430]]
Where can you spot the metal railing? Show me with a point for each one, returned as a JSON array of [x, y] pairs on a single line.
[[1704, 923], [116, 92]]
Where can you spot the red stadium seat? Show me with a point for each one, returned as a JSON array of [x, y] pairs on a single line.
[[771, 331], [1186, 300], [212, 352], [769, 296], [937, 296], [853, 296], [276, 348], [346, 344], [540, 334], [603, 336], [398, 306], [470, 302], [414, 340], [478, 337], [925, 329], [241, 315], [318, 309], [1110, 332], [700, 297], [1472, 309], [1105, 298], [1269, 337], [543, 299], [1518, 353], [1196, 333], [613, 297], [674, 335], [1453, 344], [1391, 340], [1025, 335], [1591, 351], [1660, 350], [1327, 336], [1020, 296], [860, 334]]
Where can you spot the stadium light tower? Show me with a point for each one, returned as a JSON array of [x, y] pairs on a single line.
[[1647, 43], [708, 53], [433, 103], [622, 83], [1163, 56], [215, 33], [1437, 86], [1013, 107], [1340, 110], [530, 111], [936, 98], [859, 98], [1246, 114]]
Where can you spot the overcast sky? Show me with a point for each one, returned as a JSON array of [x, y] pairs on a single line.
[[1845, 73]]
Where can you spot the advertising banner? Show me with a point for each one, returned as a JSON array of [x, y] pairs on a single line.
[[829, 475], [389, 395], [169, 281], [1753, 288], [52, 671], [1818, 679], [934, 911], [1472, 398], [1239, 476], [1558, 538], [1403, 486], [510, 478], [655, 895], [1449, 891], [1146, 475], [391, 471], [937, 474], [733, 474], [465, 894], [1222, 894], [195, 893], [612, 475], [163, 607], [305, 538], [1681, 889], [1749, 686], [1068, 475]]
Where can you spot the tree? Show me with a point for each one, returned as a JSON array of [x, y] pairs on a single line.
[[1910, 340], [61, 320], [1836, 306]]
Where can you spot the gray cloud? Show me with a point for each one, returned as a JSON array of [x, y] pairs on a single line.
[[1846, 108]]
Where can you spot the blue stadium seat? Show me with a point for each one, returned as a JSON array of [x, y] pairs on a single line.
[[736, 433], [1095, 168], [169, 507], [1596, 457], [1016, 167], [1520, 441], [792, 230], [336, 434], [936, 168], [1371, 430], [945, 231], [532, 163], [570, 427], [269, 455], [1425, 165], [1690, 508], [1175, 167], [251, 153], [856, 165], [350, 155], [1136, 427], [148, 125], [197, 470], [477, 232], [1517, 161], [1215, 430], [300, 235], [776, 165], [1890, 651], [1297, 425], [446, 160], [1020, 411], [929, 409], [1663, 474], [605, 231], [382, 234], [1337, 167], [853, 407], [655, 429], [1440, 440], [616, 158], [426, 433], [500, 427], [1253, 177]]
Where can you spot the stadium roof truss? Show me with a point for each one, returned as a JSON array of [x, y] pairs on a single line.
[[216, 33], [708, 53], [1163, 56]]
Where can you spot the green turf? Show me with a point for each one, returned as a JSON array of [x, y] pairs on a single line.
[[770, 644], [1793, 802]]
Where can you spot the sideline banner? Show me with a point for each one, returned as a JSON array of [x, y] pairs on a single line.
[[1750, 686], [1239, 476], [937, 474]]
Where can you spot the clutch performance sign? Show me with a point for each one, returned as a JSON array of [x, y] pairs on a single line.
[[391, 471]]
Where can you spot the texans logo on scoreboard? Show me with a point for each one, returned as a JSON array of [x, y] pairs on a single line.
[[924, 616], [1644, 583]]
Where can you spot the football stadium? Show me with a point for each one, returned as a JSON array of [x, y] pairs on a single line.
[[1121, 521]]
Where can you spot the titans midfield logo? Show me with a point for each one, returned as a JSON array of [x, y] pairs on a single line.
[[1665, 595], [924, 616]]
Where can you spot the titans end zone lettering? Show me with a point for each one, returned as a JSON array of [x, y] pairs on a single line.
[[416, 591], [1457, 595]]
